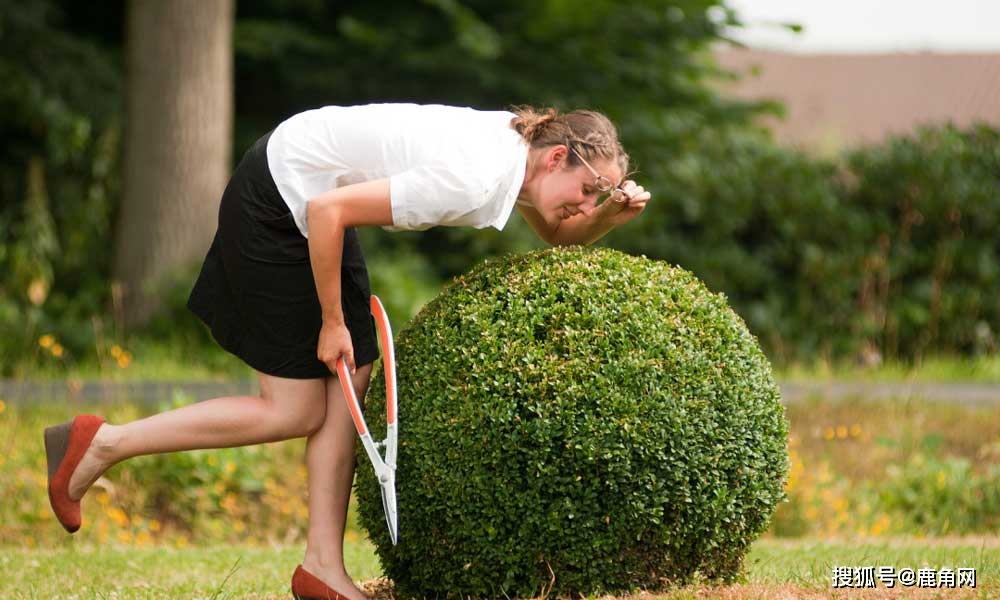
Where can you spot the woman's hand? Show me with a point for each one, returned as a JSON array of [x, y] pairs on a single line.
[[618, 210], [335, 342]]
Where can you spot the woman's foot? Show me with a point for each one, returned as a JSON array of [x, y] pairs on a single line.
[[65, 447], [322, 584], [95, 461]]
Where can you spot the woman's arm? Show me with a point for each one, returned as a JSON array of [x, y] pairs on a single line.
[[328, 216], [588, 226]]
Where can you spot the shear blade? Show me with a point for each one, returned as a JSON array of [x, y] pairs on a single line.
[[389, 507]]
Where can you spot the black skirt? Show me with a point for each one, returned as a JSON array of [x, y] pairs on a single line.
[[256, 290]]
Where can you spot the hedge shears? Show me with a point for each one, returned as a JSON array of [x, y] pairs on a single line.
[[385, 470]]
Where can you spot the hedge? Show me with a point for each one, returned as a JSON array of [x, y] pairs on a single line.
[[576, 422], [889, 251]]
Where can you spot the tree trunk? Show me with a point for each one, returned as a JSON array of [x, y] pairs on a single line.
[[178, 134]]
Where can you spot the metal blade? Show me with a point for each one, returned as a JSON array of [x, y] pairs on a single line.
[[389, 507]]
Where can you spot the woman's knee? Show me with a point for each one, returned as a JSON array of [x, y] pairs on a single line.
[[311, 419], [297, 405]]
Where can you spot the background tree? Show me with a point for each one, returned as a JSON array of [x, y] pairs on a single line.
[[177, 141], [59, 106]]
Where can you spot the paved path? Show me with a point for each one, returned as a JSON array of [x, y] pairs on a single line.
[[154, 392], [972, 394]]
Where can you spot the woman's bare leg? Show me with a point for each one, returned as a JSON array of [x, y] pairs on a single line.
[[285, 408], [330, 460]]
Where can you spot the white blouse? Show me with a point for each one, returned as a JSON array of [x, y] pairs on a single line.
[[446, 165]]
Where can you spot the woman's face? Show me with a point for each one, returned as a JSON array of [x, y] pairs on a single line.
[[566, 192]]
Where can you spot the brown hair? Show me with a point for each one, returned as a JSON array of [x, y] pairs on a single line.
[[588, 132]]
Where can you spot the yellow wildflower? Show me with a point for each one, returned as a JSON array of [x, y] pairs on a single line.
[[116, 350], [881, 525], [3, 406], [46, 341], [38, 291], [57, 350], [228, 502], [118, 516]]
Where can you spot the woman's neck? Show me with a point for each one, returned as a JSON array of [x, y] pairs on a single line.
[[532, 172]]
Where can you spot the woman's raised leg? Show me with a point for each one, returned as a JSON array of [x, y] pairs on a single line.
[[285, 408]]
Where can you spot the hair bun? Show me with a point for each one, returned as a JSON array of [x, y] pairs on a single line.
[[532, 123]]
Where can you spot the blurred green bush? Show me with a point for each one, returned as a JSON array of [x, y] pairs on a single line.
[[889, 252], [758, 222], [924, 214], [943, 495]]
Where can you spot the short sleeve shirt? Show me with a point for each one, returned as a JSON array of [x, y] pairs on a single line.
[[446, 165]]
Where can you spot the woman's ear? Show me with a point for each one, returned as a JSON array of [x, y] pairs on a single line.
[[556, 157]]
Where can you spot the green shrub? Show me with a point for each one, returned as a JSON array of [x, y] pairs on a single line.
[[576, 421], [928, 208], [890, 251], [941, 496]]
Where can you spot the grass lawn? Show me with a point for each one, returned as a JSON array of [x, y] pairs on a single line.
[[775, 569]]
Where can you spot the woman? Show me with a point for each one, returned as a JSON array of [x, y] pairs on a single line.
[[284, 285]]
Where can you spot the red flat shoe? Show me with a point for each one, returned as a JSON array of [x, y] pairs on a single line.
[[65, 446], [306, 586]]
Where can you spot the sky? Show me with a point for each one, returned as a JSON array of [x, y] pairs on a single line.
[[871, 25]]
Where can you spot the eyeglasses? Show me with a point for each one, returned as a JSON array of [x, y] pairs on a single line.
[[602, 183]]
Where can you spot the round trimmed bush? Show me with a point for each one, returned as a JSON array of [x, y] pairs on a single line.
[[576, 421]]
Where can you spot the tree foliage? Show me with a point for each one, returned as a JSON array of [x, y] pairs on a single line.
[[645, 64], [59, 123], [819, 256], [923, 212]]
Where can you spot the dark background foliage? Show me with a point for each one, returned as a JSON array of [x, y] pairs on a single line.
[[885, 251]]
